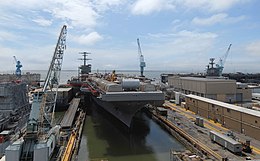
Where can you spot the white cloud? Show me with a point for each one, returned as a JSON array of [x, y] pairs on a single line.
[[254, 48], [211, 20], [103, 5], [144, 7], [78, 14], [217, 18], [37, 57], [42, 21], [26, 4], [184, 34], [211, 5], [182, 50], [89, 39], [7, 36]]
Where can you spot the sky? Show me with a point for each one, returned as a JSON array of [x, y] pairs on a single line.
[[175, 35]]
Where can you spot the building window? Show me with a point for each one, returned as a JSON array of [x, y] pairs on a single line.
[[256, 121], [213, 105], [228, 110]]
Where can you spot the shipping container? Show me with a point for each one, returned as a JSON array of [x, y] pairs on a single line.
[[226, 142]]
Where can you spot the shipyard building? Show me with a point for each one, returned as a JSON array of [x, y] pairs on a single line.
[[28, 78], [240, 119], [14, 105], [225, 90]]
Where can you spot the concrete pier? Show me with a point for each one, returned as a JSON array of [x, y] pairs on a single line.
[[69, 116]]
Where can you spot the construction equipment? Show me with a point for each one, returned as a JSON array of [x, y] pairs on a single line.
[[142, 63], [222, 60], [217, 71], [246, 146], [41, 134], [18, 71]]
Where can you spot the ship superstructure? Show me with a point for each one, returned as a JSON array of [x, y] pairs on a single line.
[[217, 70]]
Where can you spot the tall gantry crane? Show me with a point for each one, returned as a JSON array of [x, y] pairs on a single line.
[[41, 134], [142, 63], [18, 71]]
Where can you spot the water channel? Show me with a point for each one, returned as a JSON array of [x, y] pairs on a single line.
[[103, 138]]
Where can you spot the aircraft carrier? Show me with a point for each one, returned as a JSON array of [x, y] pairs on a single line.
[[124, 98]]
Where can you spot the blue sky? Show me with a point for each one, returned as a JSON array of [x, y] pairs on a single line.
[[175, 35]]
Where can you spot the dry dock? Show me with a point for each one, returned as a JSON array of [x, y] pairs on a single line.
[[72, 126]]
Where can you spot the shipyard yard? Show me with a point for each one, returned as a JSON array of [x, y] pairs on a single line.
[[139, 80], [153, 134], [124, 116], [186, 121]]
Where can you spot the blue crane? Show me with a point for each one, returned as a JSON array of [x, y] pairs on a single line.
[[142, 63], [18, 71]]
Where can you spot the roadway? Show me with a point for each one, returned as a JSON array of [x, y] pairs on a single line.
[[185, 120]]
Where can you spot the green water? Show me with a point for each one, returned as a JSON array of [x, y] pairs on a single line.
[[103, 139]]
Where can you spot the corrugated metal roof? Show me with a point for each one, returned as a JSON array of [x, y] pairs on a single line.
[[226, 105], [207, 79]]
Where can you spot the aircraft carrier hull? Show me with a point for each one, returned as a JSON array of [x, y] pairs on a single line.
[[124, 106]]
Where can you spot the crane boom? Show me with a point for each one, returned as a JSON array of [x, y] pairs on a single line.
[[51, 80], [56, 62], [39, 126], [139, 47], [15, 59], [223, 59], [142, 63]]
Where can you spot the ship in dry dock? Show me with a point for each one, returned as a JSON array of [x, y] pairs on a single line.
[[117, 94], [123, 97]]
